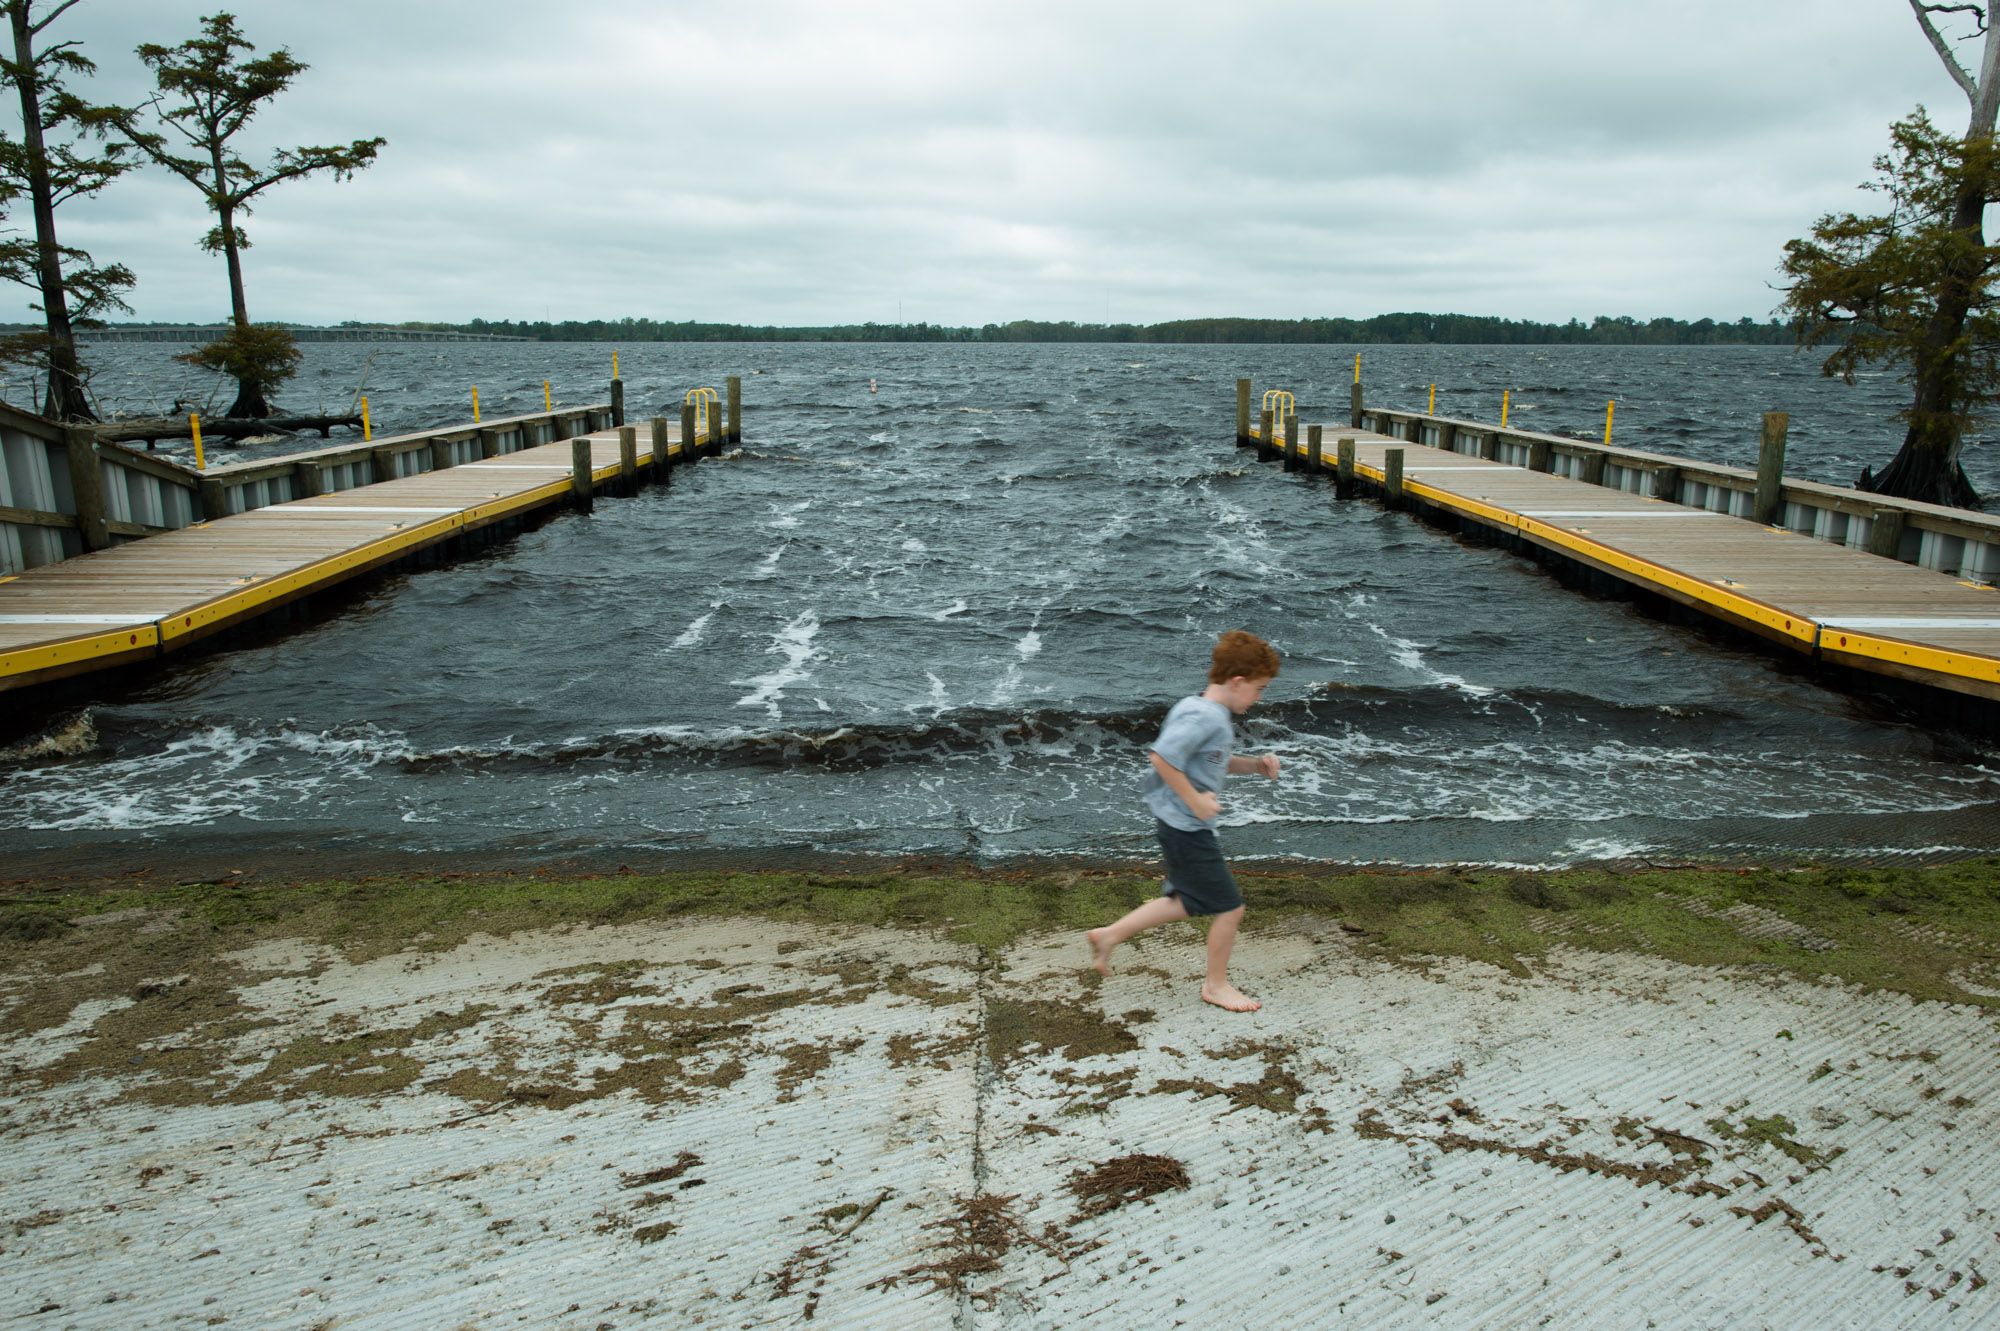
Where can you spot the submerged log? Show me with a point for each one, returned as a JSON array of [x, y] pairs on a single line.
[[152, 428]]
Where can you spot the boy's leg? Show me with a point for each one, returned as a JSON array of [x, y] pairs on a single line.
[[1217, 989], [1160, 910]]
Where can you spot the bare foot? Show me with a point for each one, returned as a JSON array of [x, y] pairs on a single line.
[[1229, 997], [1100, 952]]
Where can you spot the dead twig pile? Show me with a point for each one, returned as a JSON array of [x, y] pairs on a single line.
[[1129, 1178], [983, 1231]]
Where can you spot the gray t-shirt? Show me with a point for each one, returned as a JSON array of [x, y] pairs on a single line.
[[1196, 738]]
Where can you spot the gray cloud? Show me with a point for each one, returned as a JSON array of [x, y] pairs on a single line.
[[799, 163]]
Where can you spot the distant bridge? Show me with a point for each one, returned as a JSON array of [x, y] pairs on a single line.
[[209, 332]]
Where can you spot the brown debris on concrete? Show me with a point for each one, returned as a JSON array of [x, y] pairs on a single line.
[[1129, 1178], [977, 1237]]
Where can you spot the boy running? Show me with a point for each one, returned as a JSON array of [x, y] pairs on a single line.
[[1190, 759]]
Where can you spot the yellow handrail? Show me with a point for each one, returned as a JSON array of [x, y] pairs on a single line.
[[707, 404]]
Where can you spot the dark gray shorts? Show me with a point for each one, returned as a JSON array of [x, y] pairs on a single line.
[[1195, 871]]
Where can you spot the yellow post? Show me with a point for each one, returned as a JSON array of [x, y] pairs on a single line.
[[1432, 409], [367, 430], [1607, 423], [547, 405], [1357, 367], [614, 365], [194, 423], [475, 402], [1503, 405]]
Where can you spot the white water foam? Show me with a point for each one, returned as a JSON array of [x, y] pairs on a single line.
[[794, 643], [214, 773], [788, 513], [1410, 655], [939, 698], [1239, 538], [692, 633]]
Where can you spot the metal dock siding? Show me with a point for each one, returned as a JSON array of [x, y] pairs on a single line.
[[146, 597], [1815, 596]]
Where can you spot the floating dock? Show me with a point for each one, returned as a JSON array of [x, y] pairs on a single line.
[[148, 597], [1832, 601]]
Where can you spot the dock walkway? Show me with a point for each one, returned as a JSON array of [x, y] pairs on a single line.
[[1840, 604], [145, 598]]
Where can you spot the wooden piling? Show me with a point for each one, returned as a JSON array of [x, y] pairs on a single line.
[[489, 443], [735, 383], [1314, 462], [688, 451], [1447, 436], [440, 454], [1885, 535], [1769, 500], [558, 428], [86, 481], [1266, 433], [579, 473], [1243, 413], [1343, 475], [214, 500], [628, 459], [1392, 477], [1538, 455], [1489, 446], [1667, 484], [1292, 442], [617, 402], [309, 480], [1590, 466], [384, 463], [661, 471], [1354, 405]]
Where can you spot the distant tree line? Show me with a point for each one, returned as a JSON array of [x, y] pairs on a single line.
[[1383, 328]]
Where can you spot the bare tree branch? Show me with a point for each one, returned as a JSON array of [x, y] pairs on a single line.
[[1978, 16], [51, 16], [1956, 70]]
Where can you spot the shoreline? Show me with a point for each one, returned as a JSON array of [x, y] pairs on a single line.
[[1932, 933]]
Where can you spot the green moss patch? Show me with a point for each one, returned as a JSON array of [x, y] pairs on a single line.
[[155, 957]]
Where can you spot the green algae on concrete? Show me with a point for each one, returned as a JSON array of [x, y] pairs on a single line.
[[1933, 933]]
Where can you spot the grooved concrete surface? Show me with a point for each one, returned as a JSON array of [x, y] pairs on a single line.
[[741, 1123]]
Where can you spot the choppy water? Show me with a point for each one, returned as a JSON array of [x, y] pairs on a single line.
[[946, 616]]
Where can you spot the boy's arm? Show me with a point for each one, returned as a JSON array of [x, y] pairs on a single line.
[[1267, 765], [1201, 803]]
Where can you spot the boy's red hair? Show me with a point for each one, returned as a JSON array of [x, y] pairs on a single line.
[[1245, 654]]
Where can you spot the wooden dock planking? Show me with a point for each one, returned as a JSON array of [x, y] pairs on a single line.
[[145, 597], [1841, 604]]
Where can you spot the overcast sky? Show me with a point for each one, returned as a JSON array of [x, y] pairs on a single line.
[[770, 161]]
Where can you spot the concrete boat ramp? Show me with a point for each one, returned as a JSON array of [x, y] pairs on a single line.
[[745, 1123]]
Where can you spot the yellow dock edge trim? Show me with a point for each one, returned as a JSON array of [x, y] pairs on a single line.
[[1805, 631], [1965, 665], [328, 570], [198, 617], [137, 637], [481, 514], [1912, 656]]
